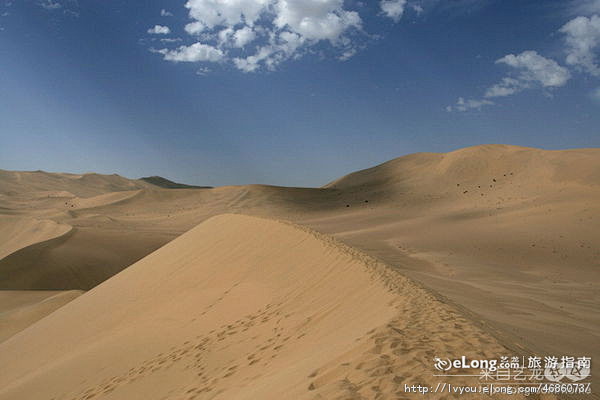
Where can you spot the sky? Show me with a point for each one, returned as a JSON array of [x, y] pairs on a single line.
[[288, 92]]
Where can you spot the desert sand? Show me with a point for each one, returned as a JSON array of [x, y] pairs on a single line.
[[488, 250], [21, 308], [246, 308]]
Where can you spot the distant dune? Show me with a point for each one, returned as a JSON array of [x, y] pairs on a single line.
[[508, 236], [47, 184], [241, 308], [41, 184]]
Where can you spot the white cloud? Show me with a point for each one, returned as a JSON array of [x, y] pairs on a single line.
[[203, 71], [159, 30], [463, 105], [224, 36], [165, 13], [281, 47], [595, 95], [290, 42], [243, 36], [226, 12], [533, 70], [347, 55], [255, 34], [170, 40], [585, 7], [193, 53], [506, 87], [50, 4], [316, 19], [194, 28], [583, 40], [394, 8], [418, 8], [536, 68], [252, 63]]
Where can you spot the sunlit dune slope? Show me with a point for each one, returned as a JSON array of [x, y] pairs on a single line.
[[241, 308], [485, 170]]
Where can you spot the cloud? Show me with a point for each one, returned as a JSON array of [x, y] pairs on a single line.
[[281, 47], [395, 8], [418, 8], [68, 8], [463, 105], [257, 34], [170, 40], [595, 95], [212, 13], [252, 63], [193, 53], [50, 4], [532, 70], [194, 28], [316, 19], [159, 30], [506, 87], [202, 71], [165, 13], [347, 55], [583, 40], [585, 7], [243, 36]]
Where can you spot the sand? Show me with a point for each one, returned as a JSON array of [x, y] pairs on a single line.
[[17, 233], [242, 308], [506, 237], [19, 309]]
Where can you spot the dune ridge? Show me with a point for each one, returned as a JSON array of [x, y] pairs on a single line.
[[242, 307], [20, 309], [509, 235], [17, 233]]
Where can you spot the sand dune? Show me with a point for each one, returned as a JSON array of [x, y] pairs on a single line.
[[19, 309], [112, 231], [508, 235], [244, 308], [17, 233], [84, 185], [79, 260]]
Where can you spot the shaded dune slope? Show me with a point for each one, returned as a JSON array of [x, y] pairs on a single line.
[[17, 232], [79, 259], [168, 184], [242, 308], [19, 309], [112, 231]]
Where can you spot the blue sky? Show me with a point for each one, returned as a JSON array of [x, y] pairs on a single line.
[[288, 92]]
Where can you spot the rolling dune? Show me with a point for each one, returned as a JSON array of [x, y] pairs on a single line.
[[508, 235], [19, 309], [246, 308], [17, 233]]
